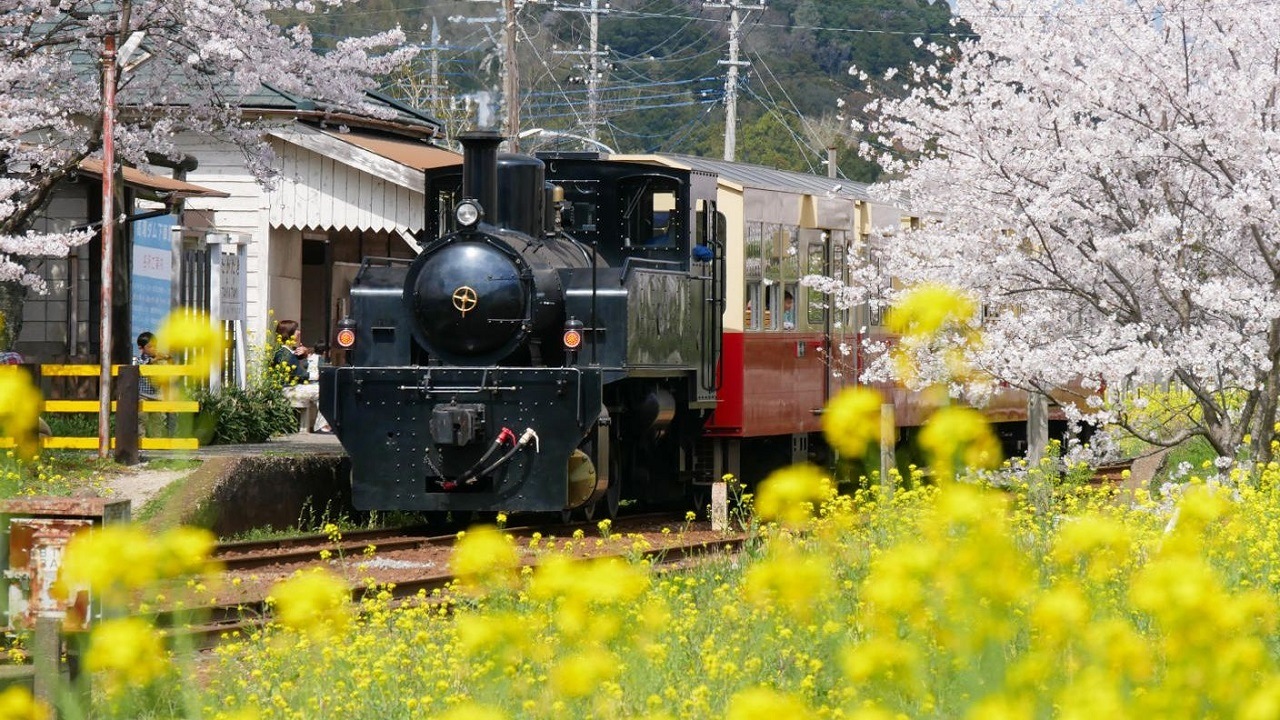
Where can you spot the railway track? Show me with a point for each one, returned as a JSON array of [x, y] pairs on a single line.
[[408, 565], [256, 554]]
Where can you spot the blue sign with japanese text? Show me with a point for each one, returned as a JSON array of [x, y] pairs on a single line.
[[152, 279]]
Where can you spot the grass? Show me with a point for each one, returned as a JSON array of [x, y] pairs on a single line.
[[57, 473], [310, 521], [166, 463], [158, 502], [1194, 452]]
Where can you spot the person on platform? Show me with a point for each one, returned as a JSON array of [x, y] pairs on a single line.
[[291, 358], [151, 424]]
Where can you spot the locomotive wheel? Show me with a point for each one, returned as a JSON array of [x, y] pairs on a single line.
[[608, 504]]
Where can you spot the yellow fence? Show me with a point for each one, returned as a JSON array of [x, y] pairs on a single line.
[[92, 406]]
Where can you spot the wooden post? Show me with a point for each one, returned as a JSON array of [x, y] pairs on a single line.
[[127, 415], [888, 439], [46, 659], [719, 505]]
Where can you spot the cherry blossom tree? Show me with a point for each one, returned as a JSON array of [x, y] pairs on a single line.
[[203, 58], [1105, 176]]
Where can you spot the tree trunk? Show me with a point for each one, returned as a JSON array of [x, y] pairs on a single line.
[[1264, 422], [12, 296]]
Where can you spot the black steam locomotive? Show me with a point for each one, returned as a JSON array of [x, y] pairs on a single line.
[[553, 346]]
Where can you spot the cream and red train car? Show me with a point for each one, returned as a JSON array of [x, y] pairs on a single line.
[[786, 350], [781, 359]]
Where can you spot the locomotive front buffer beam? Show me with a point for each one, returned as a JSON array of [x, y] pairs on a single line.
[[460, 439]]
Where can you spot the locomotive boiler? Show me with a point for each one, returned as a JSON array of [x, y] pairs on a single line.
[[553, 346]]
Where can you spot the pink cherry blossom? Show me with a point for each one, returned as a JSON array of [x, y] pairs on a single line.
[[203, 58], [1105, 175]]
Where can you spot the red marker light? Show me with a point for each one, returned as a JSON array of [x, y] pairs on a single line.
[[346, 337], [572, 339]]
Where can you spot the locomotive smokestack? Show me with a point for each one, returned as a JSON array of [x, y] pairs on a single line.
[[480, 169]]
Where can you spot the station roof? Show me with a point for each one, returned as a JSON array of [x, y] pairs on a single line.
[[417, 155], [164, 187]]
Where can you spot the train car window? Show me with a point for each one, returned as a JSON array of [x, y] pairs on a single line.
[[815, 300], [875, 310], [775, 245], [790, 306], [752, 319], [650, 216], [773, 303], [839, 271], [753, 260]]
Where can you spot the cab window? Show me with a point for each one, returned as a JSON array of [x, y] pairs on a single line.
[[650, 212]]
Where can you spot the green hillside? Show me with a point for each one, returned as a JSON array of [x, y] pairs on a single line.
[[663, 85]]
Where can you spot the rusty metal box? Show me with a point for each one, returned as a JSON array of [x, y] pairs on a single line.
[[34, 532]]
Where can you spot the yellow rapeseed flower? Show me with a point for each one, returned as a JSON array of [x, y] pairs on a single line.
[[579, 674], [788, 579], [314, 603], [1059, 612], [883, 658], [762, 703], [127, 651], [485, 557], [852, 421], [185, 550], [194, 335], [20, 408], [16, 703], [113, 561], [473, 711], [791, 495], [926, 309], [959, 436]]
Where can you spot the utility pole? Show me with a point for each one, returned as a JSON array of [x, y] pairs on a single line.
[[594, 67], [510, 69], [435, 63], [106, 235], [511, 77], [731, 80]]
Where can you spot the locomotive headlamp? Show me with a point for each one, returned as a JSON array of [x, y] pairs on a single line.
[[467, 213]]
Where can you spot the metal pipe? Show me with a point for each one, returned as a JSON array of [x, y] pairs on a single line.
[[108, 251]]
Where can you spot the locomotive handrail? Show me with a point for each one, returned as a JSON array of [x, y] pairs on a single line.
[[458, 388], [387, 260]]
